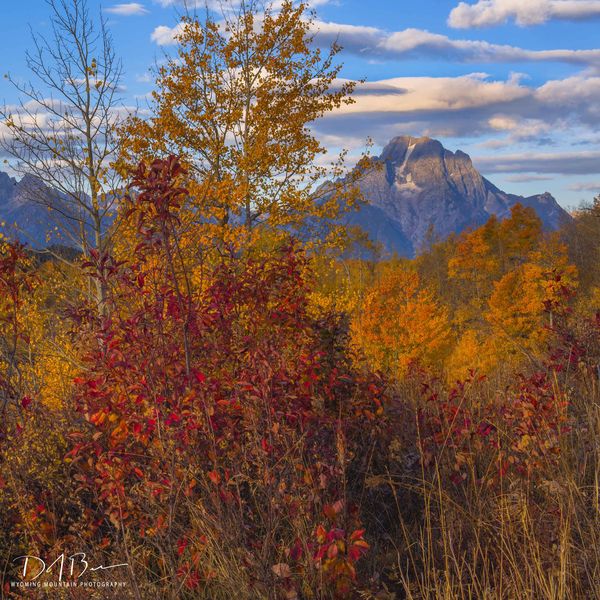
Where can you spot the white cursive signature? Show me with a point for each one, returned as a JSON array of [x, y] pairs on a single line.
[[76, 567]]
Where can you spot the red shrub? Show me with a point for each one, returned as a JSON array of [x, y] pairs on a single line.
[[215, 412], [517, 431]]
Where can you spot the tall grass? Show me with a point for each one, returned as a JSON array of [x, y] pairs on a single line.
[[531, 539]]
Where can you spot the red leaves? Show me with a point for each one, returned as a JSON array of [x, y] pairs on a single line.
[[182, 544], [102, 266], [214, 477], [200, 377], [189, 576], [337, 554], [358, 546], [230, 396], [173, 419], [159, 199], [485, 429], [99, 417], [15, 278], [518, 432]]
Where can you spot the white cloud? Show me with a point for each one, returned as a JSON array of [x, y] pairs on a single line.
[[185, 3], [427, 94], [519, 130], [485, 13], [225, 5], [166, 36], [527, 178], [423, 42], [358, 38], [419, 43], [571, 92], [144, 78], [127, 9], [593, 186], [55, 117], [433, 106]]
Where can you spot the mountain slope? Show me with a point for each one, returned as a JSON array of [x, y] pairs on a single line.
[[417, 184], [25, 213], [20, 215]]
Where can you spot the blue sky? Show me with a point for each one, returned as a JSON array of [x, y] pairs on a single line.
[[515, 83]]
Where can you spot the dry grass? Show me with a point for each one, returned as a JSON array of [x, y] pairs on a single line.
[[526, 540]]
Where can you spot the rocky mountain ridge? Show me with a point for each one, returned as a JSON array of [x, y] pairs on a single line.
[[21, 216], [416, 185]]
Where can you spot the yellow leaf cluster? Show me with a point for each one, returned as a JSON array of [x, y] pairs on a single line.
[[401, 322]]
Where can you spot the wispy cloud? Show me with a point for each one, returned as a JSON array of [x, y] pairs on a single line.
[[485, 13], [561, 163], [419, 43], [192, 4], [127, 9], [221, 5], [527, 178], [593, 186]]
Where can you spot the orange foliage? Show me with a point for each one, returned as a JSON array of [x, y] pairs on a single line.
[[474, 263], [234, 105], [400, 322], [525, 301]]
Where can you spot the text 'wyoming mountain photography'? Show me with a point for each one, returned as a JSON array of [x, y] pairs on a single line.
[[300, 300]]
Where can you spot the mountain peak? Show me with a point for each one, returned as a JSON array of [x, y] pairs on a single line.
[[406, 140], [400, 148], [403, 148], [423, 185]]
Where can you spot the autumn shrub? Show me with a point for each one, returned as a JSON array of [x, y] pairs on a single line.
[[223, 437], [400, 322], [507, 479], [16, 282], [217, 424], [37, 509]]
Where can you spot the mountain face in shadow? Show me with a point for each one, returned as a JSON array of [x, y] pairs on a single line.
[[417, 186], [23, 214]]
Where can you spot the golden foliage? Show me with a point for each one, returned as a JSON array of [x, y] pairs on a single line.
[[523, 302], [401, 322], [234, 105]]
